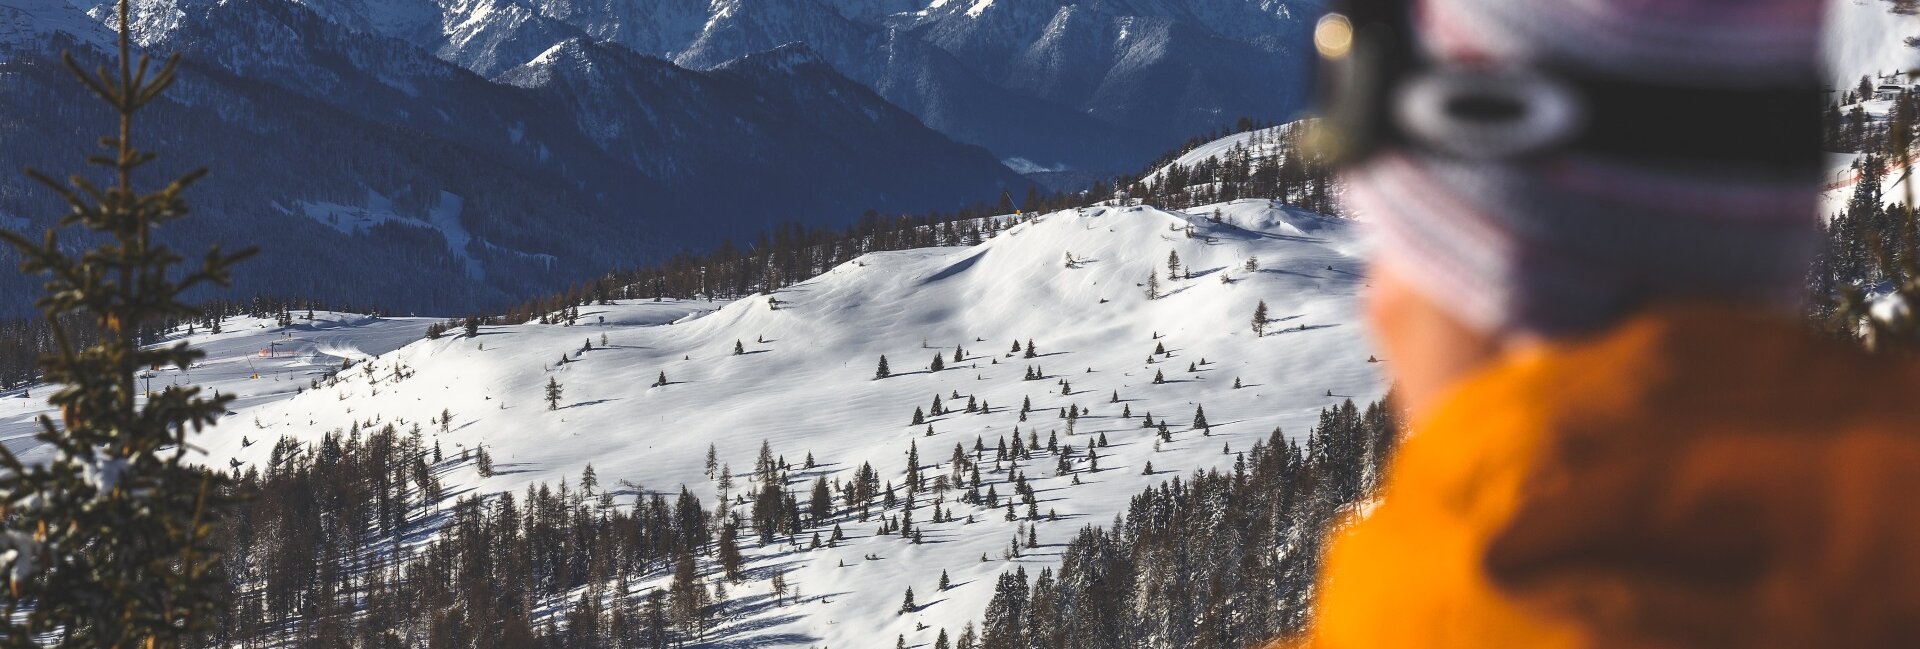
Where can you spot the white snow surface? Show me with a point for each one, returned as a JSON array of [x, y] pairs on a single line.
[[810, 388], [1865, 37], [252, 358], [1270, 145]]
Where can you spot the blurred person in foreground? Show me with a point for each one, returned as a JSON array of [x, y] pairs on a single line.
[[1593, 220]]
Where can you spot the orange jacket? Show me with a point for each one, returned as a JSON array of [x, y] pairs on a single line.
[[1693, 478]]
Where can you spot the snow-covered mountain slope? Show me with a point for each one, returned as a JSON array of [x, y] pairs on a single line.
[[1258, 144], [27, 24], [806, 385], [253, 358], [1867, 37]]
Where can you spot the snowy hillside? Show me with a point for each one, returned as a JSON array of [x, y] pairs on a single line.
[[252, 358], [1259, 143], [806, 385], [1866, 37]]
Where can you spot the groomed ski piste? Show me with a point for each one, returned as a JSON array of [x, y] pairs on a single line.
[[254, 359], [1867, 38], [806, 384]]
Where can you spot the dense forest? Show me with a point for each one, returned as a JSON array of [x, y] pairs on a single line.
[[353, 541], [1871, 247], [1223, 560]]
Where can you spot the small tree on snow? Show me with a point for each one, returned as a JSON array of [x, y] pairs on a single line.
[[938, 363], [1200, 417], [1260, 319], [882, 372], [906, 605], [739, 349], [553, 393]]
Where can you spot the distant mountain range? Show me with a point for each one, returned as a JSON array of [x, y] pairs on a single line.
[[448, 155], [1103, 84]]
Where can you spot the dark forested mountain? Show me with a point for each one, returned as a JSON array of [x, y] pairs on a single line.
[[367, 166], [1087, 84]]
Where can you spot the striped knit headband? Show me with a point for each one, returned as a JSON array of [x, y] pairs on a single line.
[[1570, 243]]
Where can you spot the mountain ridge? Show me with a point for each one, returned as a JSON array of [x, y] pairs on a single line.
[[557, 182]]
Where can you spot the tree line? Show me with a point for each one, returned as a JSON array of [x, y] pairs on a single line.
[[1870, 250], [1273, 164], [1221, 560]]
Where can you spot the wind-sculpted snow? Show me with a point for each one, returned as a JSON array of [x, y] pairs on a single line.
[[805, 384]]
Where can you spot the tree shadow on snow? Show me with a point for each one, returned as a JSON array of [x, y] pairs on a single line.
[[1301, 329], [584, 404]]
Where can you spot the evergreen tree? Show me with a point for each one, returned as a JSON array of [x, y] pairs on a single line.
[[882, 372], [779, 587], [913, 467], [727, 552], [906, 605], [553, 393], [1260, 319], [937, 364], [1173, 264], [739, 349], [109, 543], [820, 504], [1005, 623], [688, 598]]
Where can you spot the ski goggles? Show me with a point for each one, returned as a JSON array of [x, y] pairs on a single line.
[[1377, 91]]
